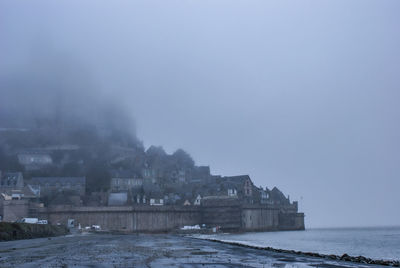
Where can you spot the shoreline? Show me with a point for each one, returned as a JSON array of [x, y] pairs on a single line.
[[147, 250], [344, 257]]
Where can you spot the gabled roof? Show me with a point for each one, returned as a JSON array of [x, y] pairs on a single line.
[[277, 195], [236, 179], [26, 192]]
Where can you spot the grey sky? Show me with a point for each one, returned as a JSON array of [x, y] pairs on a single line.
[[303, 95]]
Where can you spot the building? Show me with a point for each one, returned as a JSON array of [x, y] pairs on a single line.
[[50, 185], [278, 198], [232, 192], [264, 196], [17, 204], [156, 202], [197, 201], [182, 176], [156, 198], [34, 160], [240, 186], [150, 174], [122, 180], [11, 180]]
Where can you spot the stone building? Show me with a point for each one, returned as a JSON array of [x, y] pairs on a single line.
[[149, 174], [48, 185], [122, 180], [277, 197], [17, 204], [240, 186], [11, 180]]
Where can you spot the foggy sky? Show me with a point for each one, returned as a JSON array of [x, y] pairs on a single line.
[[303, 95]]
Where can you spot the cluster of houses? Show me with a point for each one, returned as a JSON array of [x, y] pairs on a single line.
[[161, 180], [126, 188]]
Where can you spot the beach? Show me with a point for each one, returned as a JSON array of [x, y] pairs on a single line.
[[145, 250]]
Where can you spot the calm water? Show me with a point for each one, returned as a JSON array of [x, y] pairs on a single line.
[[376, 243]]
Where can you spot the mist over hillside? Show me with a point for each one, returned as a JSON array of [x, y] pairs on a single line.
[[59, 100], [61, 90], [56, 109]]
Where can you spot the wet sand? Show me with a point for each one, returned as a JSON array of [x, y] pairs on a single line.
[[106, 250]]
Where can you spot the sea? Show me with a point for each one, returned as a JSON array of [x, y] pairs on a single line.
[[381, 243]]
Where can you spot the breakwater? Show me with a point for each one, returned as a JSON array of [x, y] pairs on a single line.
[[344, 257], [16, 231]]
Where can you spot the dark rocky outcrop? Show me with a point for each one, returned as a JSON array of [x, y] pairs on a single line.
[[344, 257], [15, 231]]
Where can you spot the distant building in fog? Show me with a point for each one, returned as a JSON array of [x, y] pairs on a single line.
[[34, 160], [53, 184], [11, 180], [122, 180]]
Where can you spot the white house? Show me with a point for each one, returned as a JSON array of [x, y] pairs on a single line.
[[156, 202], [197, 201]]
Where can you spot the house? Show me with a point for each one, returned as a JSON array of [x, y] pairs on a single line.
[[149, 174], [139, 199], [23, 193], [17, 204], [182, 176], [49, 185], [124, 180], [197, 201], [156, 198], [264, 196], [16, 195], [240, 186], [232, 192], [11, 180], [171, 199], [156, 202], [34, 160], [277, 197], [200, 174], [186, 203]]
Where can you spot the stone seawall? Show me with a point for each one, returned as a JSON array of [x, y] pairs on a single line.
[[230, 217], [129, 218], [13, 210], [270, 218]]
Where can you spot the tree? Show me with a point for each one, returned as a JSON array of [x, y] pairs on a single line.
[[98, 177], [9, 163], [183, 159]]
